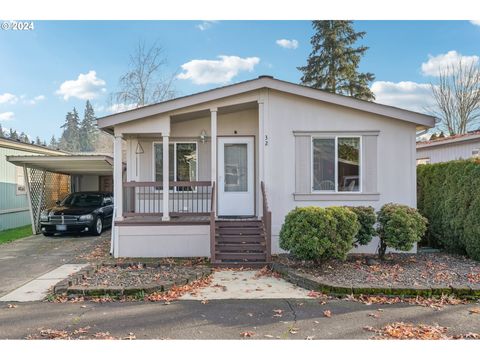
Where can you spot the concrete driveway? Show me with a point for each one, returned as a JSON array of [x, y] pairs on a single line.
[[24, 260]]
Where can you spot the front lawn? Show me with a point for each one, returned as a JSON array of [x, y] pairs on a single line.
[[9, 235]]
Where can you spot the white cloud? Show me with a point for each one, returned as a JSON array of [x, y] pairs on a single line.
[[116, 108], [287, 44], [475, 22], [35, 100], [404, 94], [205, 25], [8, 98], [438, 63], [7, 116], [217, 71], [85, 87]]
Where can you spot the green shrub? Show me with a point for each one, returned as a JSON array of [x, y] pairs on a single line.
[[400, 227], [315, 233], [366, 218], [449, 197]]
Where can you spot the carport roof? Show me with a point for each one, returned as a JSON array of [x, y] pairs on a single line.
[[67, 164]]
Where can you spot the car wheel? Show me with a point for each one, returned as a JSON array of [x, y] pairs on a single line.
[[47, 234], [98, 227]]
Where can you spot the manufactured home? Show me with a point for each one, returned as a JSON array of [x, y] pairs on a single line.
[[214, 173]]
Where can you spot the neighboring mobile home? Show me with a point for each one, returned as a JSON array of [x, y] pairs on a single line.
[[14, 207], [464, 146], [237, 159]]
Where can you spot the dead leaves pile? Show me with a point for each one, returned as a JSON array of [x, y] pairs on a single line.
[[77, 334], [406, 331], [434, 303], [266, 271], [177, 291]]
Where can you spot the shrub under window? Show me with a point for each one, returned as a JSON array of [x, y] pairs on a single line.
[[315, 233]]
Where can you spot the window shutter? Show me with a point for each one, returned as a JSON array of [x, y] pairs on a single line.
[[303, 164], [370, 164]]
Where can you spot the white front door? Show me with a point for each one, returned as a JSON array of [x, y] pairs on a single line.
[[236, 189]]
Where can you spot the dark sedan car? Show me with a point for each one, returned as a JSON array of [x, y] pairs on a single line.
[[86, 212]]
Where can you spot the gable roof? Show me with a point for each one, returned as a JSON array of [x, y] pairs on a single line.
[[270, 83]]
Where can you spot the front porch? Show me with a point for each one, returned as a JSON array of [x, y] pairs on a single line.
[[201, 169]]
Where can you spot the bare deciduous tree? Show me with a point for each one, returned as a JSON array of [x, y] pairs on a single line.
[[147, 81], [457, 97]]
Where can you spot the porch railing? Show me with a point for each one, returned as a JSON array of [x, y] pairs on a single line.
[[267, 223], [186, 198], [213, 203]]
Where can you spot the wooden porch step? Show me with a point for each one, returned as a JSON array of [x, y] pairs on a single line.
[[238, 224], [240, 264], [242, 256], [222, 247], [239, 239], [240, 231]]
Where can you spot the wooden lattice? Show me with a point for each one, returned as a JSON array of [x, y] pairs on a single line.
[[45, 188]]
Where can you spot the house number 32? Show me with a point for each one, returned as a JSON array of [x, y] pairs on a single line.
[[266, 140]]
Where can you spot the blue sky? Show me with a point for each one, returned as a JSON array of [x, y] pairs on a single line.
[[44, 73]]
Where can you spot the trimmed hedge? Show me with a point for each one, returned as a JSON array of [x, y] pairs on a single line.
[[315, 233], [449, 196], [399, 227]]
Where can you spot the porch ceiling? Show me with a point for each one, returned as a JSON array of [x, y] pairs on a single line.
[[67, 164], [206, 113]]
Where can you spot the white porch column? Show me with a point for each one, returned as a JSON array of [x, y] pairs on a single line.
[[166, 168], [261, 153], [118, 177], [213, 122]]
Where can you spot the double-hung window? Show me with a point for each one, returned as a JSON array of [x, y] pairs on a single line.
[[336, 164], [182, 162]]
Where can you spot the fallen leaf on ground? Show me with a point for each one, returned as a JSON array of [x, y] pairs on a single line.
[[474, 310], [278, 312], [12, 306], [269, 336], [293, 330], [247, 334], [314, 294], [204, 301], [376, 316], [327, 313], [309, 337]]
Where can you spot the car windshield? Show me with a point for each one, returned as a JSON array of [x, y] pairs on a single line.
[[83, 200]]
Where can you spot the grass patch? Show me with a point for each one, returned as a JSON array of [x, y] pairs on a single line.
[[9, 235]]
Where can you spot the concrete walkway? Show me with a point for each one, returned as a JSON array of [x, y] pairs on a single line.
[[247, 285], [37, 289], [24, 260]]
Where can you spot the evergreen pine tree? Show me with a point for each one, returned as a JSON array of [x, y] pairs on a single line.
[[333, 63], [2, 134], [13, 134], [53, 142], [38, 141], [88, 130], [24, 138], [70, 139]]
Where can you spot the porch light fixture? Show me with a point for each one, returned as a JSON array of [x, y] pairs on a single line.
[[203, 136], [139, 149]]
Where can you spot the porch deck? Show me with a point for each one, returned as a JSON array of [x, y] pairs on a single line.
[[139, 220]]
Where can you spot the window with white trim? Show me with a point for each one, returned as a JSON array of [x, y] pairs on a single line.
[[20, 181], [423, 161], [182, 162], [476, 153], [336, 164]]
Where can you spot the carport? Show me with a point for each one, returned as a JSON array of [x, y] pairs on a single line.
[[51, 178]]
